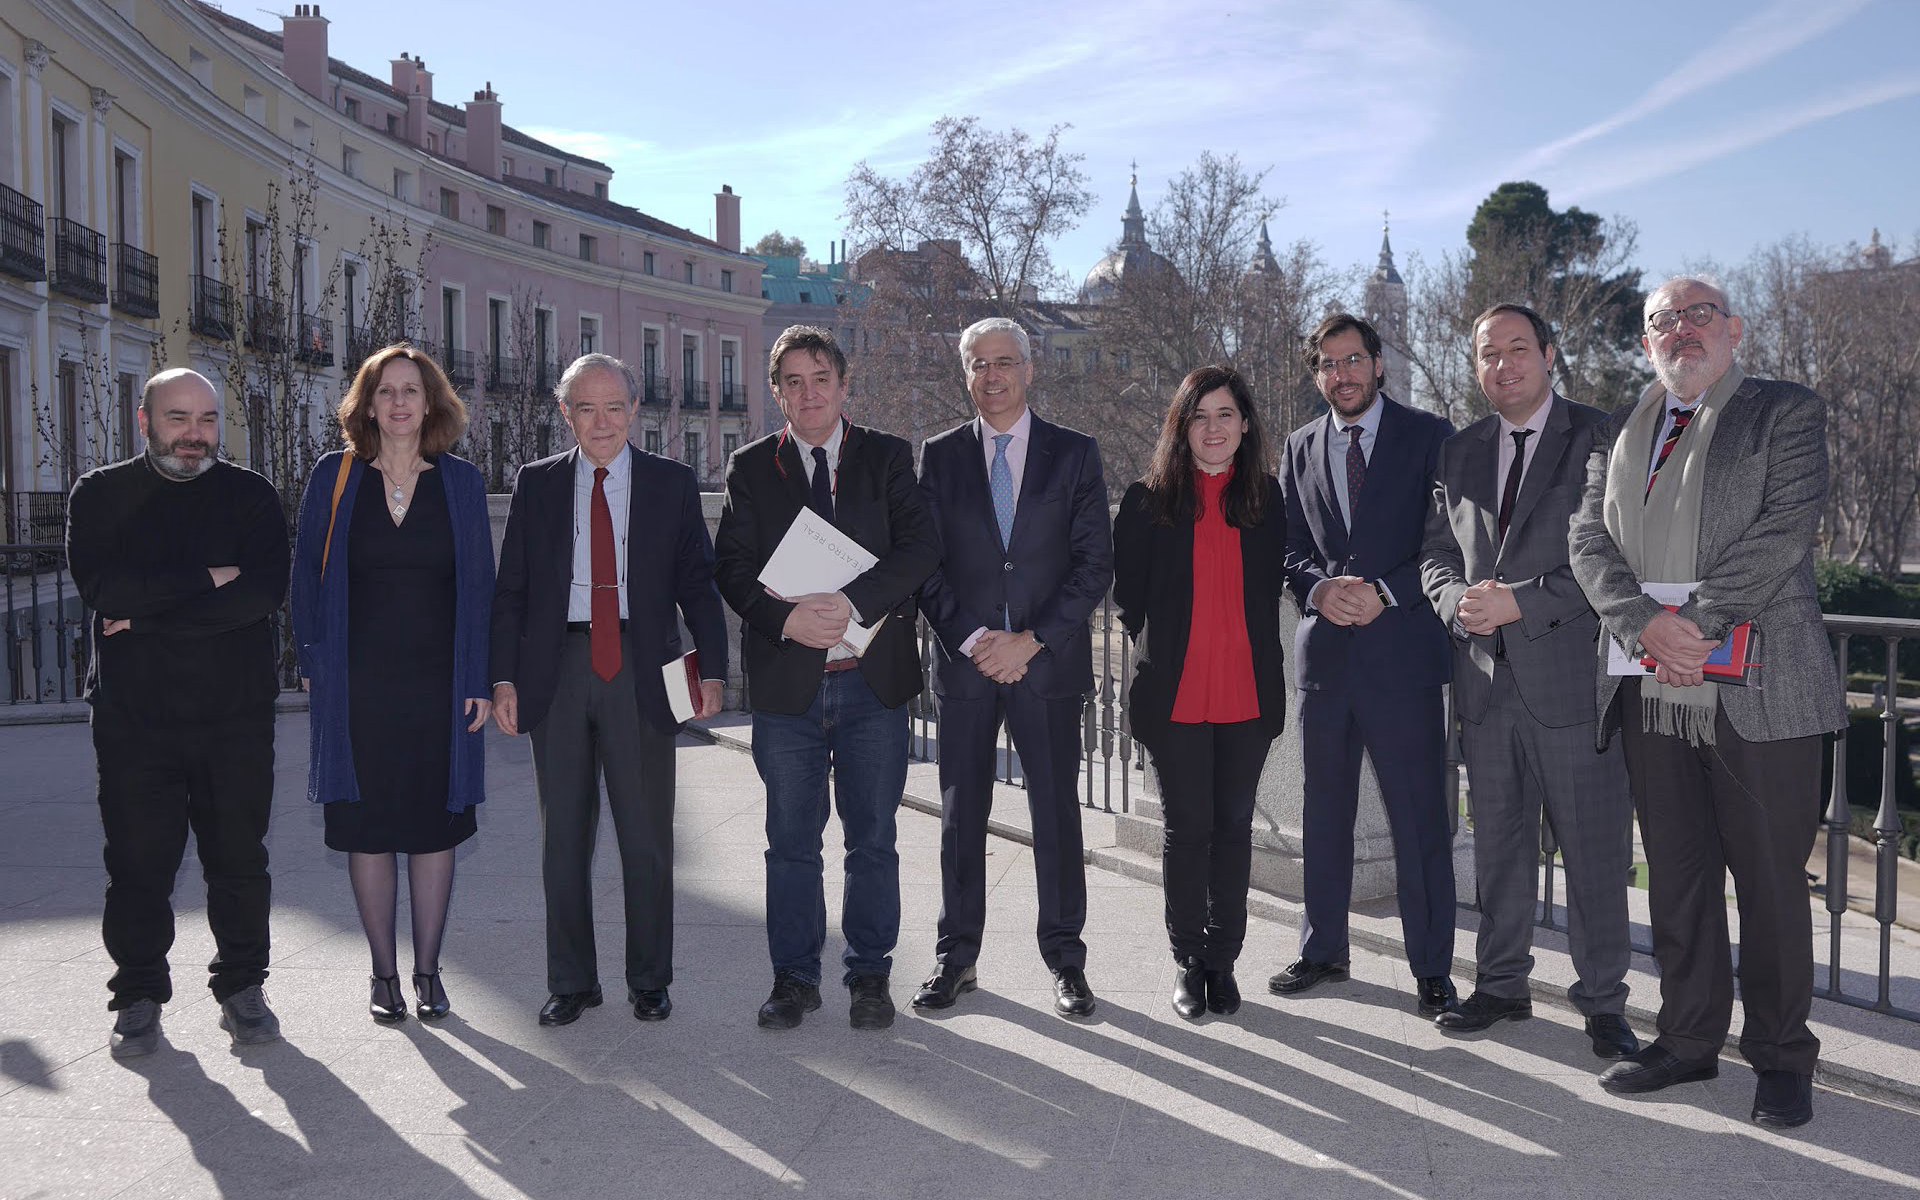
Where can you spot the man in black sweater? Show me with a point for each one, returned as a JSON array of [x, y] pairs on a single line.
[[182, 559]]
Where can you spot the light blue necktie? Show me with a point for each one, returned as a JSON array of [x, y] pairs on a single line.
[[1000, 479]]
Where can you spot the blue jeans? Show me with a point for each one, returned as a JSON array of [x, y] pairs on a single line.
[[864, 743]]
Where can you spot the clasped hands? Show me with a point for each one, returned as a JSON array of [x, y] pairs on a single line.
[[818, 619], [1002, 656], [1347, 600], [1486, 606], [1678, 649]]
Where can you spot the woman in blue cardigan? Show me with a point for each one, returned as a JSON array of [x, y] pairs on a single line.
[[392, 595]]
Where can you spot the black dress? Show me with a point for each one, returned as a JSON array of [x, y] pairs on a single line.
[[400, 702]]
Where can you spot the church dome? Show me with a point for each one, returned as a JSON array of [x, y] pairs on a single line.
[[1132, 258]]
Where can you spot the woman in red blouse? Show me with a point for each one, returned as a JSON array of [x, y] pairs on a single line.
[[1198, 549]]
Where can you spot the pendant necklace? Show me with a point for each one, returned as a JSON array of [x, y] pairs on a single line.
[[400, 494]]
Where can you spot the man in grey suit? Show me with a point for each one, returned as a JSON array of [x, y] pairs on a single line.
[[1717, 480], [1495, 567]]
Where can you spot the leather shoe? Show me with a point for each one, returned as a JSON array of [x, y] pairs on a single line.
[[1304, 973], [944, 986], [1480, 1010], [1783, 1099], [136, 1030], [564, 1008], [871, 1006], [1437, 995], [1071, 995], [1190, 989], [1654, 1068], [790, 1001], [1612, 1036], [652, 1004], [1223, 994]]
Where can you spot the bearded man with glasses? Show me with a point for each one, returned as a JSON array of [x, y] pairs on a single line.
[[1716, 480]]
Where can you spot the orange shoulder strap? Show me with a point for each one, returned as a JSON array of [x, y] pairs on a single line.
[[333, 514]]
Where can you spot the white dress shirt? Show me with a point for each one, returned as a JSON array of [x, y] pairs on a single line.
[[1535, 426], [1666, 426], [1022, 431], [1338, 439], [618, 486], [832, 447]]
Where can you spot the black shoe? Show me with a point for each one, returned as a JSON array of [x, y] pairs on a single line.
[[1190, 989], [1437, 995], [1654, 1068], [1480, 1010], [136, 1030], [944, 986], [1223, 994], [245, 1015], [791, 1000], [385, 1004], [1612, 1036], [430, 998], [1303, 973], [652, 1004], [872, 1003], [564, 1008], [1783, 1099], [1071, 995]]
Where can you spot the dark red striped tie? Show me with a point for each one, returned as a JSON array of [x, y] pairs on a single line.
[[605, 639], [1681, 416]]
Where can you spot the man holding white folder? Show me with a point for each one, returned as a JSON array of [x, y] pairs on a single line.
[[845, 502]]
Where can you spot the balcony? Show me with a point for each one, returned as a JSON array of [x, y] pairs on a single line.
[[315, 344], [733, 398], [503, 373], [213, 305], [656, 390], [266, 324], [79, 262], [23, 236], [460, 367], [543, 375], [136, 281], [693, 395]]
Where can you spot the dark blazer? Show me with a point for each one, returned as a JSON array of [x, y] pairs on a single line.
[[1550, 648], [669, 565], [1049, 579], [1405, 646], [876, 504], [320, 625], [1153, 591]]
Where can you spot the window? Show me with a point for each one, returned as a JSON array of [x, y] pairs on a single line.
[[6, 427], [68, 431], [806, 297], [126, 399], [403, 185], [302, 133], [726, 281], [255, 105], [694, 459], [543, 440], [496, 220], [599, 191], [543, 346], [587, 243], [689, 272], [1090, 359], [729, 442], [126, 199], [393, 125], [550, 177], [496, 327], [506, 166], [652, 441], [433, 143], [450, 319], [352, 109], [259, 250], [1063, 355], [450, 203], [350, 162], [200, 65], [542, 234], [689, 358], [63, 152], [589, 334], [1123, 359], [203, 235], [646, 262]]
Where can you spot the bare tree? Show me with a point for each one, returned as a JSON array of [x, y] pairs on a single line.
[[518, 420]]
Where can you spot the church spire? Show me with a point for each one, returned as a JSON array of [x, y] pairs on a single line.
[[1386, 272], [1133, 226], [1264, 263]]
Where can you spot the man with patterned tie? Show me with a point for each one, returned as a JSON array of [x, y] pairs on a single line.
[[1718, 480], [1495, 567], [819, 708], [1369, 658], [1021, 504], [604, 543]]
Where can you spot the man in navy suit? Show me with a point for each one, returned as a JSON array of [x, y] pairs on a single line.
[[1371, 657], [603, 544], [1021, 507]]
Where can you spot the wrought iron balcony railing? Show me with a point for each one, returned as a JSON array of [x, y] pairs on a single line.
[[315, 341], [733, 398], [213, 305], [23, 236], [136, 282], [266, 324], [79, 261], [693, 394], [657, 390], [460, 368]]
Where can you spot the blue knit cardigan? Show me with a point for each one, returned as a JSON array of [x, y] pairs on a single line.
[[320, 626]]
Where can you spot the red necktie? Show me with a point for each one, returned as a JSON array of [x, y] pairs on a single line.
[[606, 583], [1681, 416]]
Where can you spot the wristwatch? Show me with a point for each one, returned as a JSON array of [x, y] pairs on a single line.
[[1386, 597]]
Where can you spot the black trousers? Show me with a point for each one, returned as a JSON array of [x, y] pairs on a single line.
[[594, 727], [1046, 735], [156, 783], [1751, 808], [1209, 776]]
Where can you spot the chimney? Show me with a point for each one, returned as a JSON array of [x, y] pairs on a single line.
[[419, 96], [304, 55], [483, 133], [403, 74], [726, 217]]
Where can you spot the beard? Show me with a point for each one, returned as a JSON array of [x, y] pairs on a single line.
[[167, 460], [1686, 377]]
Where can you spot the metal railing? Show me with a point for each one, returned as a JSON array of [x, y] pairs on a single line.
[[656, 390], [79, 261], [44, 625], [459, 366], [733, 398], [39, 518], [23, 236], [503, 373], [314, 344], [213, 305], [266, 324], [693, 394], [136, 281]]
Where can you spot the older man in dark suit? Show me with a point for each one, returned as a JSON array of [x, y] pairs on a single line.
[[820, 707], [1021, 505], [604, 543], [1717, 480], [1495, 567], [1370, 655]]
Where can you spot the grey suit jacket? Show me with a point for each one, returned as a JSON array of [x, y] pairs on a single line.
[[1550, 648], [1764, 490]]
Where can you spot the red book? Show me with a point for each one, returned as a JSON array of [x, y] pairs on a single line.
[[682, 679], [1731, 660]]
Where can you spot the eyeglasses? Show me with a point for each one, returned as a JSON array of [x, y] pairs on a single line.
[[999, 364], [1328, 366], [1668, 319]]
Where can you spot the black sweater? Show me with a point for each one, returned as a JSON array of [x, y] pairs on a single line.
[[139, 546]]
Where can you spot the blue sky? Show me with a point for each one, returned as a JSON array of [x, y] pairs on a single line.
[[1716, 127]]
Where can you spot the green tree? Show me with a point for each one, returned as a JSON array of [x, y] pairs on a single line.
[[779, 245]]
